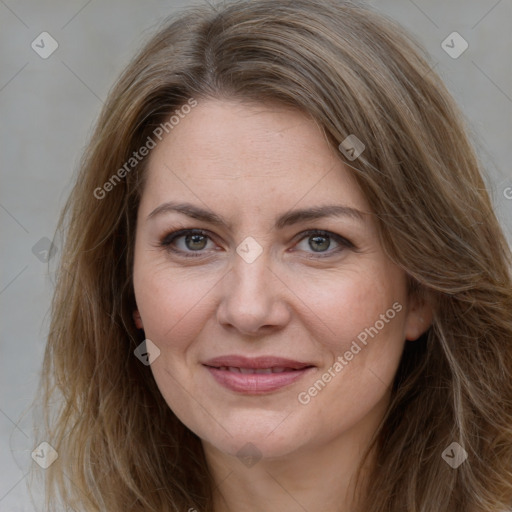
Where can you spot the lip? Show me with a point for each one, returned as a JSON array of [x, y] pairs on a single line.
[[285, 372]]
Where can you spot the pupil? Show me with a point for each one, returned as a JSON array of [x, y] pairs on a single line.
[[195, 242], [319, 243]]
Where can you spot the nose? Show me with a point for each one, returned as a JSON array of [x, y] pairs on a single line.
[[254, 298]]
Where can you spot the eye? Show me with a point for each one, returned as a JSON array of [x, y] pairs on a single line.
[[187, 242], [319, 242], [197, 242]]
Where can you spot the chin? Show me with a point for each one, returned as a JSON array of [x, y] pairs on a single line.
[[252, 435]]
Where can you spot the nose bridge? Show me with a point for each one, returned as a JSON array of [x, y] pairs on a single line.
[[251, 297], [251, 264], [251, 283]]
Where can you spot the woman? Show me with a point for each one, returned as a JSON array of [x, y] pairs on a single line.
[[283, 284]]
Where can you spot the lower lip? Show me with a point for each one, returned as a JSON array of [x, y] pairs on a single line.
[[256, 383]]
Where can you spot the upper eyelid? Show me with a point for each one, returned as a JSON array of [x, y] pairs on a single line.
[[178, 233], [340, 239]]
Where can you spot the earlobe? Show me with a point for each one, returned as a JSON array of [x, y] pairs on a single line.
[[419, 319], [137, 319]]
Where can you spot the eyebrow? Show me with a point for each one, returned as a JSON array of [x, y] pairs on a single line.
[[287, 219]]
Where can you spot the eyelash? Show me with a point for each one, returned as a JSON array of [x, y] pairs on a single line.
[[167, 241]]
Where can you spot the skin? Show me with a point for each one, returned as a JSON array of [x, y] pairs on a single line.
[[250, 164]]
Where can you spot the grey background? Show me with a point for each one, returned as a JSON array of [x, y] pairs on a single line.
[[48, 106]]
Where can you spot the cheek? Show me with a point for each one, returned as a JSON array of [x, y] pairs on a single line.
[[174, 306], [365, 313], [349, 305], [364, 347], [171, 303]]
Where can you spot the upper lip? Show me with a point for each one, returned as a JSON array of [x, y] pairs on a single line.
[[256, 362]]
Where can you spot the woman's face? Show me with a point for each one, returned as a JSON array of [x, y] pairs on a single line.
[[280, 322]]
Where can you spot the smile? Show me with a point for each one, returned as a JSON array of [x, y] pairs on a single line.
[[256, 376], [256, 370]]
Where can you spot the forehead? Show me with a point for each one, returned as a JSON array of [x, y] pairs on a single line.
[[249, 155]]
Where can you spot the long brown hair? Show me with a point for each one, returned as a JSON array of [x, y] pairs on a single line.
[[354, 72]]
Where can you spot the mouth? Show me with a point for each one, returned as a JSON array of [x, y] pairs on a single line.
[[258, 375], [256, 371]]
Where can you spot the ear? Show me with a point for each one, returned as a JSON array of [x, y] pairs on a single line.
[[419, 317], [137, 319]]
